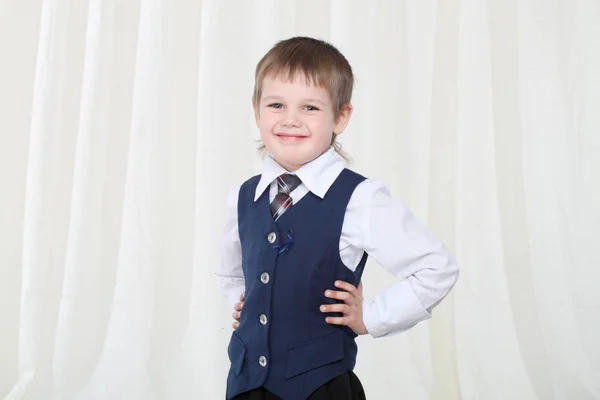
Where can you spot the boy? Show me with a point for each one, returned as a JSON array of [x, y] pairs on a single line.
[[298, 235]]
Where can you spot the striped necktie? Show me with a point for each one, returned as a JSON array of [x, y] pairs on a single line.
[[286, 184]]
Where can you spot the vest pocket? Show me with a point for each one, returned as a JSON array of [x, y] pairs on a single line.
[[237, 353], [306, 356]]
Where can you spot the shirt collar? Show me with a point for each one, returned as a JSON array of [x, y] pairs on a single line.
[[318, 175]]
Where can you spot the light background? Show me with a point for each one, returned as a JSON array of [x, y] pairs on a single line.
[[123, 124]]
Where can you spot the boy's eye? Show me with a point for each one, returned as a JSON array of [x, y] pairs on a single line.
[[275, 105], [311, 108]]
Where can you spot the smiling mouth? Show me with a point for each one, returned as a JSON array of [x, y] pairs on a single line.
[[291, 138]]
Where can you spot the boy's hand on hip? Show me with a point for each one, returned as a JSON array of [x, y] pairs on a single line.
[[238, 311], [351, 308]]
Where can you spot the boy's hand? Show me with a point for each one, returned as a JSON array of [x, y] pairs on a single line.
[[238, 311], [351, 309]]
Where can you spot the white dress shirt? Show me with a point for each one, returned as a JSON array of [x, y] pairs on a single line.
[[375, 223]]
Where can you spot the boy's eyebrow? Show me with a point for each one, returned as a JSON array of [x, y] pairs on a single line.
[[277, 98], [314, 101], [272, 98]]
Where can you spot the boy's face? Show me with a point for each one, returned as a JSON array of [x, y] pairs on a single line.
[[296, 121]]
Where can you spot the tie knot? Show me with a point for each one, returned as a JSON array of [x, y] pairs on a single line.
[[287, 183]]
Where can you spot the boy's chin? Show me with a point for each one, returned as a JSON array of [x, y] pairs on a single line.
[[292, 160]]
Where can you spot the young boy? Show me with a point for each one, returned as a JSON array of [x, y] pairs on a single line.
[[298, 235]]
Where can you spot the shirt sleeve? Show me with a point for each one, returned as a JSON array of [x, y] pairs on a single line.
[[405, 247], [229, 268]]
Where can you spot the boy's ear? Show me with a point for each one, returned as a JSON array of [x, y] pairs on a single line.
[[343, 119], [256, 113]]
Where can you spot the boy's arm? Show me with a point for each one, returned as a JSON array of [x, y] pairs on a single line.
[[229, 268], [406, 248]]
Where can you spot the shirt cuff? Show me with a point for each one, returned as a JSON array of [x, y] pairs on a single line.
[[234, 297], [390, 313], [232, 288]]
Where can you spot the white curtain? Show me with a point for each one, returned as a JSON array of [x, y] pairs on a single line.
[[123, 124]]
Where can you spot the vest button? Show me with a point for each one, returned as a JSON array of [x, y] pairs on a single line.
[[272, 237], [262, 360], [263, 319], [264, 278]]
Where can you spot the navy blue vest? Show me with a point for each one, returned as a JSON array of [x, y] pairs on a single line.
[[283, 342]]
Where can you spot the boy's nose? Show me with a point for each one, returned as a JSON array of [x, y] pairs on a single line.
[[290, 120], [291, 123]]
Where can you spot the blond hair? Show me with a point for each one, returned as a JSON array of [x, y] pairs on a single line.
[[321, 64]]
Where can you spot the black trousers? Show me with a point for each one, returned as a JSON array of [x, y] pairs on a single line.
[[343, 387]]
